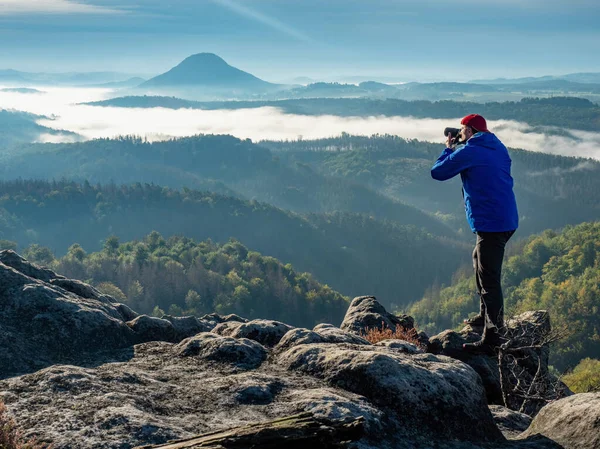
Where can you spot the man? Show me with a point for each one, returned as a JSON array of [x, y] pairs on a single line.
[[484, 167]]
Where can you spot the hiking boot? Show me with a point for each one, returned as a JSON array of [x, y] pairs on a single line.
[[490, 341]]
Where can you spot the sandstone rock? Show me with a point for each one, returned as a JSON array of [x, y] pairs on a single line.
[[450, 343], [241, 352], [400, 346], [297, 337], [510, 423], [82, 289], [366, 313], [215, 318], [330, 404], [149, 328], [13, 260], [333, 334], [225, 328], [520, 357], [323, 333], [573, 422], [126, 312], [266, 332], [187, 326], [42, 324], [411, 385]]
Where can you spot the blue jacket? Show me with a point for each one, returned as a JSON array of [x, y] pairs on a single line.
[[484, 167]]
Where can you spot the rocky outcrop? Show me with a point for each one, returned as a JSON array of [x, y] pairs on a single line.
[[573, 422], [241, 352], [522, 380], [47, 319], [510, 423], [82, 371], [266, 332], [404, 382], [365, 313]]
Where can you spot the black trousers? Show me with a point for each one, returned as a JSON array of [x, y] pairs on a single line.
[[487, 262]]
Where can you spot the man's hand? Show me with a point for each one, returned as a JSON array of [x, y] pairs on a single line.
[[449, 141]]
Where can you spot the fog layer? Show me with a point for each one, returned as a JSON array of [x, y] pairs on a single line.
[[61, 107]]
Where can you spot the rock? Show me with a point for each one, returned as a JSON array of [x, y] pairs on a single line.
[[410, 385], [266, 332], [520, 356], [323, 333], [450, 343], [187, 326], [366, 313], [241, 352], [81, 289], [13, 260], [225, 328], [330, 404], [126, 312], [333, 334], [149, 328], [509, 422], [400, 346], [573, 422], [217, 319], [42, 324]]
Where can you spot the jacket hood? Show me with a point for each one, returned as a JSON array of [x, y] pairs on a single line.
[[486, 140]]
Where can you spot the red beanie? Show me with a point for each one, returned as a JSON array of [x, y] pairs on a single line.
[[475, 121]]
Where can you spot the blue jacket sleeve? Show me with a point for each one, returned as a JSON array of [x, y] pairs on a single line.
[[451, 163]]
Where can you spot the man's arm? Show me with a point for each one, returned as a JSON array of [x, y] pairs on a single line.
[[451, 163]]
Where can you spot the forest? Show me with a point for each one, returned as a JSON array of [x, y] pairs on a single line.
[[353, 253], [179, 276]]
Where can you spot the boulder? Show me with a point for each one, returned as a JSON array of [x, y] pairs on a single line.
[[412, 386], [82, 289], [241, 352], [149, 328], [365, 313], [13, 260], [187, 326], [126, 312], [333, 334], [400, 346], [42, 324], [524, 362], [573, 422], [323, 333], [510, 422], [266, 332]]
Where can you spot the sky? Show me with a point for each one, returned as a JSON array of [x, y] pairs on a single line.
[[277, 40]]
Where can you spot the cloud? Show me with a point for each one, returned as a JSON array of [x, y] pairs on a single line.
[[264, 123], [262, 18], [11, 7]]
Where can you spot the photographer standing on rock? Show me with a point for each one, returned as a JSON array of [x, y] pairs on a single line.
[[484, 167]]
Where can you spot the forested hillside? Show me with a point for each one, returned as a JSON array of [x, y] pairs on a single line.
[[181, 277], [221, 164], [355, 254], [558, 272], [551, 190]]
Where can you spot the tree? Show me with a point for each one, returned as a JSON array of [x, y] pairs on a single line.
[[7, 244]]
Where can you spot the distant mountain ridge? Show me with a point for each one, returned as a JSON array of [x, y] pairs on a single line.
[[70, 78], [209, 70], [583, 77]]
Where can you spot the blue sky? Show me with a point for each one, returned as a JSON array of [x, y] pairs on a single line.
[[279, 39]]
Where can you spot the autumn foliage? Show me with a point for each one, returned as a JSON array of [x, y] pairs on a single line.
[[10, 435], [377, 334]]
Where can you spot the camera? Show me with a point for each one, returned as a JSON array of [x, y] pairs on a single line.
[[454, 134]]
